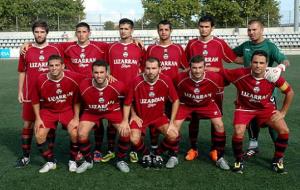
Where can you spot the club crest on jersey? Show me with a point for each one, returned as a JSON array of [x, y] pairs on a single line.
[[166, 56], [59, 91], [256, 89], [151, 94], [41, 58], [125, 54], [205, 53], [82, 55], [101, 100], [196, 91]]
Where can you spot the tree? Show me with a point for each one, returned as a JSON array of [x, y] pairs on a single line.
[[182, 13], [109, 25], [60, 14], [225, 12]]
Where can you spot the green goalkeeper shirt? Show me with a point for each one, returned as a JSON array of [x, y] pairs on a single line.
[[247, 48]]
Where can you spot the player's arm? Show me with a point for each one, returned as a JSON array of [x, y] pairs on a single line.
[[124, 129], [20, 87], [289, 95], [239, 60], [135, 117]]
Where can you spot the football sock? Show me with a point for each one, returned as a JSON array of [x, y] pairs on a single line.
[[237, 145], [123, 147], [280, 145], [193, 131], [85, 149], [26, 139], [219, 141], [141, 148], [46, 152], [74, 148], [51, 138]]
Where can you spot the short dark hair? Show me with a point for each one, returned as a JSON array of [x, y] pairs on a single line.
[[83, 24], [164, 22], [100, 63], [152, 60], [197, 59], [40, 23], [260, 53], [126, 21], [252, 21], [207, 18], [55, 57]]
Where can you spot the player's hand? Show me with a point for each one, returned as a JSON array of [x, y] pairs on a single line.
[[25, 47], [20, 97], [172, 130], [74, 123], [277, 115], [124, 129], [38, 124], [137, 119], [139, 43], [272, 74], [111, 79]]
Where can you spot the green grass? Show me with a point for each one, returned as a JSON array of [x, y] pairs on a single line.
[[199, 174]]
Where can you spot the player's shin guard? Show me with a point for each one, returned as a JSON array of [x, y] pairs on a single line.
[[169, 145], [46, 152], [237, 146], [98, 134], [280, 145], [111, 137], [193, 131], [218, 143], [140, 148], [85, 149], [74, 148], [51, 138], [26, 138], [123, 147]]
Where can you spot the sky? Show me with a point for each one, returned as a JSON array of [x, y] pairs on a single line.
[[105, 10]]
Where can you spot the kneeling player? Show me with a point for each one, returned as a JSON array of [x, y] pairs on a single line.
[[197, 90], [58, 91], [147, 96], [101, 101], [254, 102]]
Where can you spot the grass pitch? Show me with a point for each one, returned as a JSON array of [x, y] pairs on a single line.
[[198, 174]]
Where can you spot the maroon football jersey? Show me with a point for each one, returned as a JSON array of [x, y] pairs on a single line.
[[252, 93], [149, 98], [199, 93], [125, 61], [171, 57], [213, 51], [35, 62], [56, 95], [80, 58], [101, 100]]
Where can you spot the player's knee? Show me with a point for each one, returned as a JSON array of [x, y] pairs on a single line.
[[134, 139], [40, 137], [82, 134]]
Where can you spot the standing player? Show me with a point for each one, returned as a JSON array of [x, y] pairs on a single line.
[[245, 50], [31, 65], [101, 101], [197, 90], [214, 50], [254, 102], [125, 60], [55, 98], [79, 57], [172, 59], [147, 97]]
